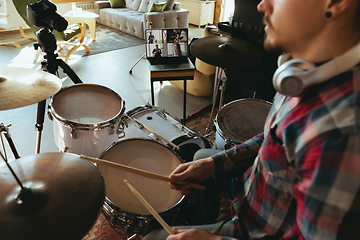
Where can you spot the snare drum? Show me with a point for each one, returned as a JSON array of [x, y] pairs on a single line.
[[239, 121], [164, 124], [85, 118], [121, 208]]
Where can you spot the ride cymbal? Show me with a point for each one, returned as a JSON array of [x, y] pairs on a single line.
[[22, 86], [226, 52], [66, 197]]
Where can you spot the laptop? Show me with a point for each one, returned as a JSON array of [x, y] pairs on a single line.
[[167, 48]]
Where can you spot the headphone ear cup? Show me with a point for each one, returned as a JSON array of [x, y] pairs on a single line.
[[289, 78]]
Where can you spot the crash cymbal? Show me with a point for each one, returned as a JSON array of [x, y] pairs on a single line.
[[226, 52], [67, 196], [22, 86]]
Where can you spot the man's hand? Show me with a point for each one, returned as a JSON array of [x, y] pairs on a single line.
[[194, 234], [195, 171]]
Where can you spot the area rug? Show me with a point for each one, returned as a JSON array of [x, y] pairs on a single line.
[[102, 230], [108, 39]]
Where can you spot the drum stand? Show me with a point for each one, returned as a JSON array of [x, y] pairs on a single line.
[[220, 84], [5, 129], [47, 44], [142, 57]]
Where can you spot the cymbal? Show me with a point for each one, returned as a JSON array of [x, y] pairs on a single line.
[[226, 52], [68, 194], [22, 86]]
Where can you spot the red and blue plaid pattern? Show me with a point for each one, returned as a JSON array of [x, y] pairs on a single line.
[[305, 181]]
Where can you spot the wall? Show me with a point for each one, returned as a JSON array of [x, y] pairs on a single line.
[[64, 6]]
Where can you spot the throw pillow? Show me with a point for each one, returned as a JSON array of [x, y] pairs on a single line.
[[117, 3], [169, 4], [143, 6], [135, 5], [157, 7]]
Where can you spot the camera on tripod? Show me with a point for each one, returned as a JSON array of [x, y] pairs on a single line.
[[43, 14]]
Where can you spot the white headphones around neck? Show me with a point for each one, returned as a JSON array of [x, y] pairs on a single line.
[[293, 76]]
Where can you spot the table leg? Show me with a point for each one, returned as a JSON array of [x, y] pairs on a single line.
[[184, 107], [152, 93], [92, 27]]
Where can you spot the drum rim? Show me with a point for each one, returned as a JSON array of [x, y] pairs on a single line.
[[224, 108], [86, 126], [151, 140], [139, 138], [143, 216]]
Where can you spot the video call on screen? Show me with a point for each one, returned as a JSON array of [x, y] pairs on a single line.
[[167, 42]]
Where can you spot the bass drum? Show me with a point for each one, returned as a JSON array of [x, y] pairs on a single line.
[[164, 124], [239, 121], [122, 208]]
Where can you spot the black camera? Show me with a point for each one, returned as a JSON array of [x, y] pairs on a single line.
[[43, 14]]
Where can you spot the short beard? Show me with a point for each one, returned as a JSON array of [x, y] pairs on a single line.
[[272, 49]]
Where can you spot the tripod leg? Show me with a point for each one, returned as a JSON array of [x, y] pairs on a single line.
[[136, 63], [67, 69]]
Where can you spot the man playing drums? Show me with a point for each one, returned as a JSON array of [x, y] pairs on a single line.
[[305, 180]]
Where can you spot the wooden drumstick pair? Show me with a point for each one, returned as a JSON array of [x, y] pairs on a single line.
[[141, 172]]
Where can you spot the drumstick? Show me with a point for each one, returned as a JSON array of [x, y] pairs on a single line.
[[150, 208], [141, 172], [157, 134]]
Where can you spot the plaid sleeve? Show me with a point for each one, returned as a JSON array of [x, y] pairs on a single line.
[[328, 193], [236, 160]]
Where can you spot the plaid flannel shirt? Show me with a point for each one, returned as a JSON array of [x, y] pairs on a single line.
[[305, 180]]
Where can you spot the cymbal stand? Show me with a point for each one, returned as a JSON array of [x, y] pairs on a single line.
[[47, 44], [5, 130], [220, 84], [25, 193]]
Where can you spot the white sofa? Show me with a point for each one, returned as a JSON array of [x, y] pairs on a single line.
[[134, 18]]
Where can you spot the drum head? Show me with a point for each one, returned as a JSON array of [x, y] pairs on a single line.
[[242, 119], [147, 155], [87, 104]]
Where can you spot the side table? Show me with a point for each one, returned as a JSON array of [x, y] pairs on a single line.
[[83, 17], [183, 74]]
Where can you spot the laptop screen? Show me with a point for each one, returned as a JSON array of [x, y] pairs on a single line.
[[166, 43]]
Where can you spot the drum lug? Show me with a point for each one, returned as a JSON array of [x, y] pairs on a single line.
[[154, 137], [112, 129], [73, 133], [49, 115], [161, 114]]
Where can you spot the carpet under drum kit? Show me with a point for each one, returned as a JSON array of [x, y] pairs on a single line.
[[60, 195]]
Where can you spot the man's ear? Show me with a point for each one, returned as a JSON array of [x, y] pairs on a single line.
[[335, 7]]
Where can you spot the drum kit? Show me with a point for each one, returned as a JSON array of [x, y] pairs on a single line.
[[60, 195]]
